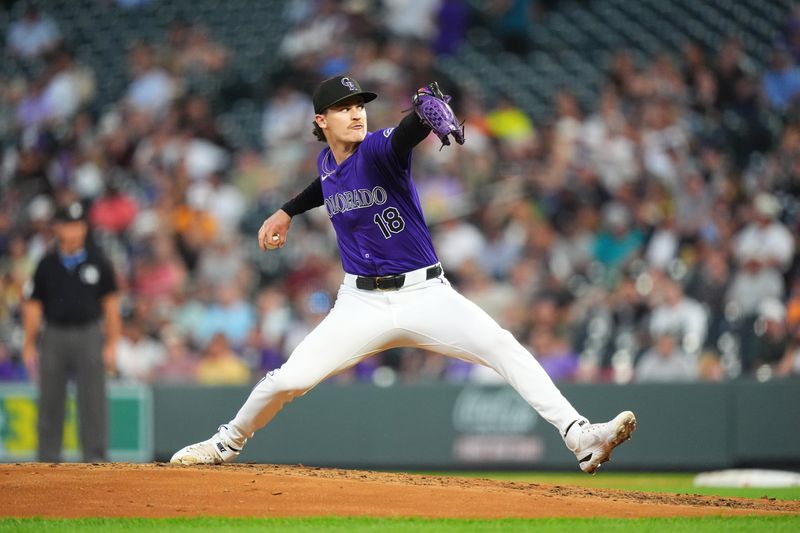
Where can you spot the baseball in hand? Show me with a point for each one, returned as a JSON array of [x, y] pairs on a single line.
[[273, 243]]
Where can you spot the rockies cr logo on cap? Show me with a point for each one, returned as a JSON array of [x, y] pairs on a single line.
[[334, 90], [347, 82]]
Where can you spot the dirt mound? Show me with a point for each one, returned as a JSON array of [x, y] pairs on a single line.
[[158, 490]]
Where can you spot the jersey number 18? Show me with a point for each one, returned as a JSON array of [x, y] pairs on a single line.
[[389, 221]]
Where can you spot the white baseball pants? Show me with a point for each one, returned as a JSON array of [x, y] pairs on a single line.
[[430, 315]]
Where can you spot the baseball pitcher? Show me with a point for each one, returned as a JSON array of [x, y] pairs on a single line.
[[394, 291]]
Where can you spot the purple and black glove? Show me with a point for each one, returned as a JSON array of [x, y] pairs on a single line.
[[433, 110]]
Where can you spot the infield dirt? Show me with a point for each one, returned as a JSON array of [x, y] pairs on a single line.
[[158, 490]]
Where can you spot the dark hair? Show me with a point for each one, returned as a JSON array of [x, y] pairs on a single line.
[[318, 133]]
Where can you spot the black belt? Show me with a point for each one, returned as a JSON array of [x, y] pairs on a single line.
[[392, 283]]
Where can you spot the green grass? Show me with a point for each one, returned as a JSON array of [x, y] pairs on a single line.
[[646, 482], [309, 525]]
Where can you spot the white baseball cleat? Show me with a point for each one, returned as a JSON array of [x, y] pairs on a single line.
[[593, 443], [213, 451]]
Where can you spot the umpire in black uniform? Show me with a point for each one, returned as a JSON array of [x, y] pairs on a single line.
[[73, 288]]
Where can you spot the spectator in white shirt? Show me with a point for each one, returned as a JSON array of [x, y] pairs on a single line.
[[152, 88], [764, 250], [70, 86], [33, 35], [138, 355], [665, 362], [676, 312], [765, 239], [412, 19], [284, 117]]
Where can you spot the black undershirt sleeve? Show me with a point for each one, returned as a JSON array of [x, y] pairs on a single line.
[[409, 133], [310, 198]]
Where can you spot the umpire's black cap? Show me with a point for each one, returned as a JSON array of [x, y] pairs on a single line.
[[72, 212], [334, 90]]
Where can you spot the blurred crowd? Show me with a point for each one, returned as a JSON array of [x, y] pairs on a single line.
[[648, 237]]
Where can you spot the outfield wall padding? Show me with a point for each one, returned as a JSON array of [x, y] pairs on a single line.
[[692, 427]]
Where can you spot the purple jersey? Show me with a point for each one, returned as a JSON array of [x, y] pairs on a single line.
[[374, 206]]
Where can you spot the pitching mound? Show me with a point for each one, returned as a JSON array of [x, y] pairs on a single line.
[[157, 490]]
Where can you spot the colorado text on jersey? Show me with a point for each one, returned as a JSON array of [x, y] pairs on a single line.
[[341, 202]]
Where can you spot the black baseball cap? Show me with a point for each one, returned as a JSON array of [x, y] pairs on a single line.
[[334, 90], [72, 212]]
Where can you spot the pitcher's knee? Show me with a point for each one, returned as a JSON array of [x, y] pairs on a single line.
[[291, 385]]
